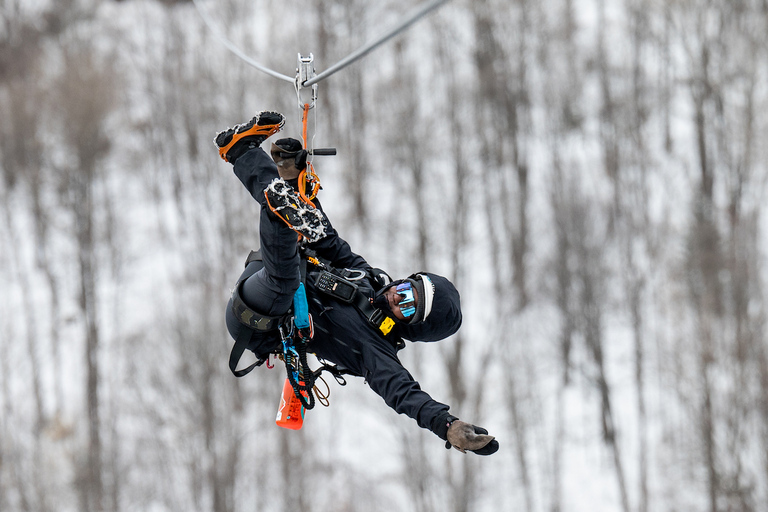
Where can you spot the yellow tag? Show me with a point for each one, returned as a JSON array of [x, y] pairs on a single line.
[[386, 325]]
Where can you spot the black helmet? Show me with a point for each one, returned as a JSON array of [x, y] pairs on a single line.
[[438, 309]]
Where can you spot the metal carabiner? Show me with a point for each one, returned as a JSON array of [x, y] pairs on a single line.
[[286, 330], [354, 274]]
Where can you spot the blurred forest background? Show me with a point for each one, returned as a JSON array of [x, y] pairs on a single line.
[[590, 173]]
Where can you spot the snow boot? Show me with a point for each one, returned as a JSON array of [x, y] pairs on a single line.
[[464, 436], [300, 216], [233, 142]]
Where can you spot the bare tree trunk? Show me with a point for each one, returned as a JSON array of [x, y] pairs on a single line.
[[293, 470], [86, 97], [92, 484], [666, 79], [593, 331], [517, 107], [27, 492], [20, 162], [635, 225], [359, 157], [503, 118], [357, 129], [762, 401], [563, 216], [638, 331], [587, 244], [421, 475], [22, 155], [705, 260], [503, 103], [609, 136], [5, 336]]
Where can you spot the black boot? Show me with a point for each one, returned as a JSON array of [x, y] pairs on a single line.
[[233, 142], [300, 216]]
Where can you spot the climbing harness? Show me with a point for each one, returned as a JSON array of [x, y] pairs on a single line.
[[296, 330], [296, 327]]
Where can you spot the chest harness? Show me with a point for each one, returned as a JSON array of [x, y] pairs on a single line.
[[295, 327]]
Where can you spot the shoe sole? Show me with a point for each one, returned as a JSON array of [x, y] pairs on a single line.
[[301, 217], [245, 130]]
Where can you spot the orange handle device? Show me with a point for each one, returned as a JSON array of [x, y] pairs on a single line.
[[290, 413]]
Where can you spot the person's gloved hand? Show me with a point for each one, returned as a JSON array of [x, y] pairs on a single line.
[[289, 156], [380, 278], [464, 436]]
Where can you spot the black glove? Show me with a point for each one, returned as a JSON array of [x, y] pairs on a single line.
[[290, 148], [464, 436], [380, 278]]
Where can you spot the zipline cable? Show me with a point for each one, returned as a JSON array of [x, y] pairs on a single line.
[[234, 49], [419, 13], [363, 51]]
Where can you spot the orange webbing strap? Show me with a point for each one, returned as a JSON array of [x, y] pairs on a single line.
[[304, 120], [307, 176]]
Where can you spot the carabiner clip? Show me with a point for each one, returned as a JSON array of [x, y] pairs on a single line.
[[286, 335], [354, 274]]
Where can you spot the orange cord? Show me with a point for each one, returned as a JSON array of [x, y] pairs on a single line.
[[304, 119], [307, 176]]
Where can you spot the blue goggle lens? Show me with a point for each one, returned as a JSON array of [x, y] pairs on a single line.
[[408, 302]]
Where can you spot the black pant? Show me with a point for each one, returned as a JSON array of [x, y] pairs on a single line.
[[270, 290]]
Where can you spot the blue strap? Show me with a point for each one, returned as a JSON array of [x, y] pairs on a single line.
[[300, 308]]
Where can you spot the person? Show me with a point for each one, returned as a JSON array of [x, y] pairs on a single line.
[[361, 333]]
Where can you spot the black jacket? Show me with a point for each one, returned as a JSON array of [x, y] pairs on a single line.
[[342, 335]]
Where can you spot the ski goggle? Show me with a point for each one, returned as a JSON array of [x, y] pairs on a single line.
[[407, 303]]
